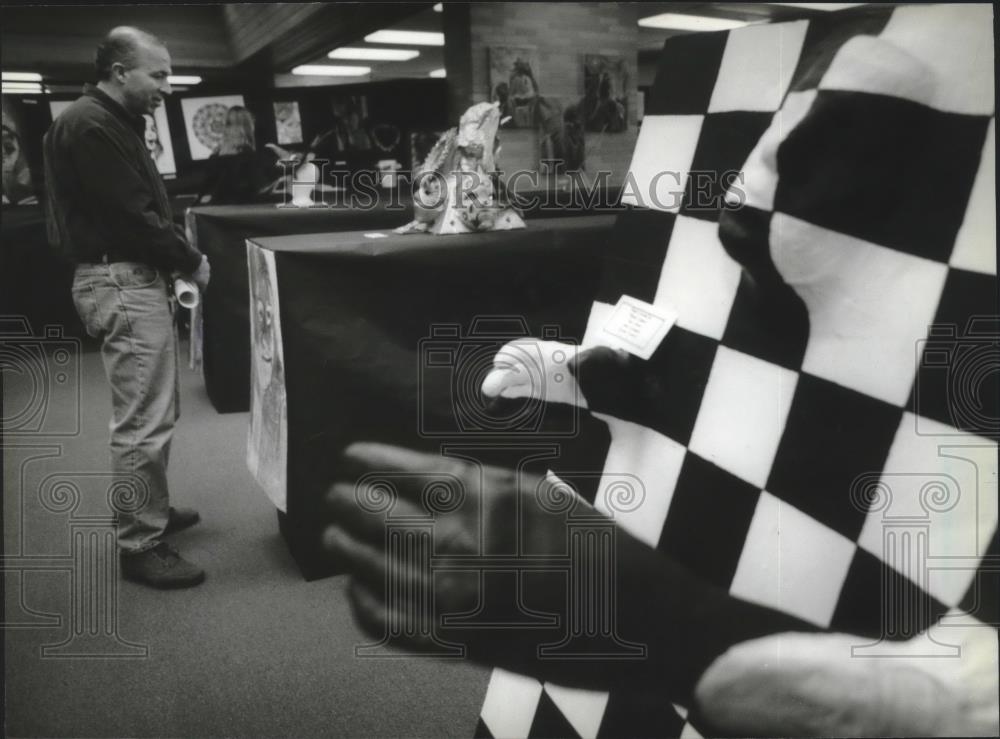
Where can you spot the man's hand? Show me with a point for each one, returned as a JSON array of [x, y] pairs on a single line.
[[201, 276]]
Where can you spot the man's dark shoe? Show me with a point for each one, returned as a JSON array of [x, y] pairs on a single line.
[[180, 519], [161, 567]]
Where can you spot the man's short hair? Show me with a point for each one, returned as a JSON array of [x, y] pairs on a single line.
[[119, 47]]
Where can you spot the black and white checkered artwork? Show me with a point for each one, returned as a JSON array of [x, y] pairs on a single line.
[[826, 426]]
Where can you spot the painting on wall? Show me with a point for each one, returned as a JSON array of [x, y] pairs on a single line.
[[267, 440], [514, 84], [18, 179], [159, 143], [562, 144], [204, 121], [288, 122], [348, 129], [605, 98]]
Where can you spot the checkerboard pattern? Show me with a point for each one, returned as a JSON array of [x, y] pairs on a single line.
[[825, 428]]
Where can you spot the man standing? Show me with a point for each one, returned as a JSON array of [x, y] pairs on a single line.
[[109, 214]]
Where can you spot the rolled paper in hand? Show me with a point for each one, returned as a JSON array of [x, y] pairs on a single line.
[[186, 292]]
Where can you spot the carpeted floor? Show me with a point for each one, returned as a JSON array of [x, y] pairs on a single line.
[[255, 651]]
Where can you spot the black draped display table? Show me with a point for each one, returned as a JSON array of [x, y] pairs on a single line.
[[388, 339], [220, 232]]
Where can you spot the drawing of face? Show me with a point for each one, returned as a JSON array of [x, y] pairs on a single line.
[[152, 137], [264, 328], [263, 322], [11, 148]]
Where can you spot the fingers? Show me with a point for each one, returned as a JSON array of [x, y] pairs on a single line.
[[369, 608], [366, 456], [364, 560], [363, 508], [378, 482], [383, 620]]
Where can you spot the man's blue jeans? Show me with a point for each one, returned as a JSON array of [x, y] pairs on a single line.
[[126, 305]]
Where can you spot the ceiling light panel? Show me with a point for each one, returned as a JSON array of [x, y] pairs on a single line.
[[820, 6], [374, 55], [21, 77], [330, 70], [15, 88], [684, 22], [414, 38]]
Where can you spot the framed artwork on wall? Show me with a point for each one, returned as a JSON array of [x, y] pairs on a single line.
[[605, 93], [159, 143], [204, 121], [347, 132], [18, 178], [288, 122], [514, 84]]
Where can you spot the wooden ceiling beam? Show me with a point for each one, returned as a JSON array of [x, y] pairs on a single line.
[[289, 34]]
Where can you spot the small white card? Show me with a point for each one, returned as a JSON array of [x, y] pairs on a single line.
[[375, 235], [638, 327]]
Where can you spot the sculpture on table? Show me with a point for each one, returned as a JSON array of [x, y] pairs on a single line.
[[456, 189]]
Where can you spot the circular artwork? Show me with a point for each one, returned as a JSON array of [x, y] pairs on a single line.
[[208, 122]]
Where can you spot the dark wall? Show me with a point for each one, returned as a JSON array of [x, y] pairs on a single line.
[[411, 105]]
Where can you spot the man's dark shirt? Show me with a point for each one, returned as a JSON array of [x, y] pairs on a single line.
[[104, 194]]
